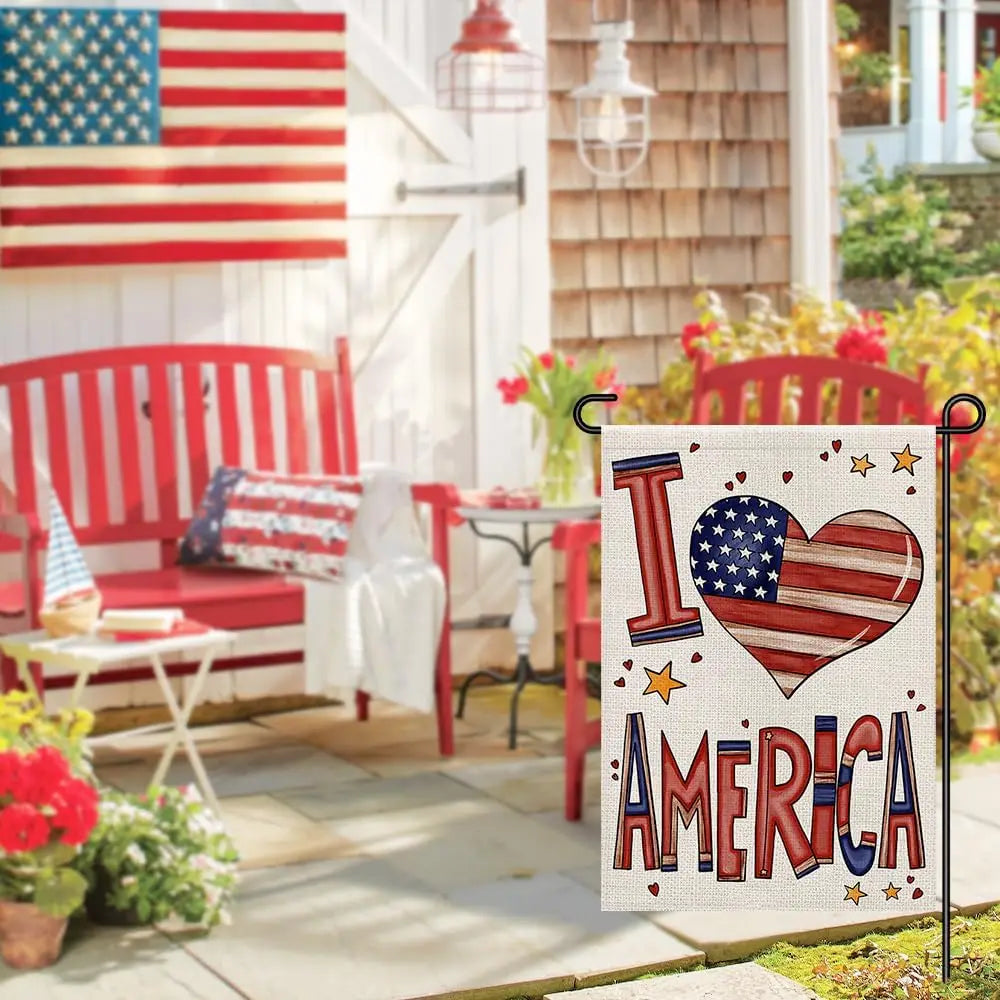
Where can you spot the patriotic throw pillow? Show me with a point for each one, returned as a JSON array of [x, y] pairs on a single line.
[[264, 520]]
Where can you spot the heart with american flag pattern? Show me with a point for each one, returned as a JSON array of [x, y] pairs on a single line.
[[796, 603]]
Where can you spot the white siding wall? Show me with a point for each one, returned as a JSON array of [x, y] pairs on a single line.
[[436, 296]]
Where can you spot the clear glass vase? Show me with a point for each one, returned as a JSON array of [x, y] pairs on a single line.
[[567, 478]]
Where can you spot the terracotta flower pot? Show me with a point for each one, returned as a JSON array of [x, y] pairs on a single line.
[[29, 939]]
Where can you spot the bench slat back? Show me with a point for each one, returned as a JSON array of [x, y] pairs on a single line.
[[129, 437]]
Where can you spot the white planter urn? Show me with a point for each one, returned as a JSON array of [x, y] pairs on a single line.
[[986, 139]]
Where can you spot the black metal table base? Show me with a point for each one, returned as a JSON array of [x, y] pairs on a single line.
[[524, 674]]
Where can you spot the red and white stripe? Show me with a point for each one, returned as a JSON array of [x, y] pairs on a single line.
[[841, 590], [251, 164]]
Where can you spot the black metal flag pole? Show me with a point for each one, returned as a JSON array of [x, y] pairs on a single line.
[[946, 430]]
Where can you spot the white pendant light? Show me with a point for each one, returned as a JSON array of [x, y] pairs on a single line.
[[612, 120]]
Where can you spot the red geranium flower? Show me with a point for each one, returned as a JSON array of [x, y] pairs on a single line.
[[45, 771], [11, 773], [546, 359], [692, 334], [863, 343], [75, 811], [963, 446], [22, 828]]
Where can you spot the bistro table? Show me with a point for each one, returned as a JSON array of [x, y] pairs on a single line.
[[523, 621], [85, 655]]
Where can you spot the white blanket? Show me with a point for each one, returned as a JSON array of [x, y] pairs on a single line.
[[377, 630]]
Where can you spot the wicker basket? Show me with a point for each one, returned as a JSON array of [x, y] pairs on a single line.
[[77, 618]]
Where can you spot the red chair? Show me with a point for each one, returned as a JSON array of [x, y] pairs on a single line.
[[898, 398], [898, 395], [583, 646]]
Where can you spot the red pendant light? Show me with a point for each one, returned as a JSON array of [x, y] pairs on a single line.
[[488, 68]]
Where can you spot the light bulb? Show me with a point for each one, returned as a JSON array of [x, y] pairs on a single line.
[[612, 122], [485, 68]]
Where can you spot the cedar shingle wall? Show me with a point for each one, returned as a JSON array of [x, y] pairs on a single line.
[[709, 205]]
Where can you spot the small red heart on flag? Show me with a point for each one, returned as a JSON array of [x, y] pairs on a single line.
[[654, 888], [910, 490], [917, 893], [620, 683], [729, 485], [696, 658], [910, 693], [921, 708], [745, 723], [615, 763], [695, 447], [787, 476], [825, 455], [741, 476], [909, 880], [627, 664], [836, 446]]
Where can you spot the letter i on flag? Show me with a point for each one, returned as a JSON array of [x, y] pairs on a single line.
[[768, 668]]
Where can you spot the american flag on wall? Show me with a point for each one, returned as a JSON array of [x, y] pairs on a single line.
[[139, 137]]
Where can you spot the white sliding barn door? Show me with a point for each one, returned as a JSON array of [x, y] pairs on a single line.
[[445, 288]]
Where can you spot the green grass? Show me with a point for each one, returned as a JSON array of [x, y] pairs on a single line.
[[895, 965], [900, 964], [962, 758]]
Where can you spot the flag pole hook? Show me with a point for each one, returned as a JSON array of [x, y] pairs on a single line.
[[591, 397], [946, 430]]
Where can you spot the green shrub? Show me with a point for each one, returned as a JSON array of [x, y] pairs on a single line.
[[899, 227]]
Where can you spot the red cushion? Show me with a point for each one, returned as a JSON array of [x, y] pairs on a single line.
[[224, 598]]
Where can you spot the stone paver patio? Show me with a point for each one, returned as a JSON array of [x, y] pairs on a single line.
[[372, 864]]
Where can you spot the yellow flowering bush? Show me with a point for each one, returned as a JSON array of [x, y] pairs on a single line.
[[24, 726], [950, 341]]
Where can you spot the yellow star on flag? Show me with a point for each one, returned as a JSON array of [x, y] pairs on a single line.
[[854, 893], [892, 892], [662, 683], [905, 460], [861, 465]]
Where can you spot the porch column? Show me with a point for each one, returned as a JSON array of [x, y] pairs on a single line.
[[810, 149], [924, 135], [960, 66]]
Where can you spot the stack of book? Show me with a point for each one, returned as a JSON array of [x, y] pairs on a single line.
[[138, 624], [500, 498]]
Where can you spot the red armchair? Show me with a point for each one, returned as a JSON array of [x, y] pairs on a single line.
[[583, 646]]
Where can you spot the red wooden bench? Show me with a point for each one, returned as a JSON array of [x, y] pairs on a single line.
[[898, 397], [179, 406]]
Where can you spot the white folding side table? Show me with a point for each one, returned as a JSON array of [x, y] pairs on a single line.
[[86, 655]]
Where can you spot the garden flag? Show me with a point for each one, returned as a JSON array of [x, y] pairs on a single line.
[[768, 679], [141, 137]]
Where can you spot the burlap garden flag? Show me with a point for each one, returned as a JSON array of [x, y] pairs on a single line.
[[768, 672]]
